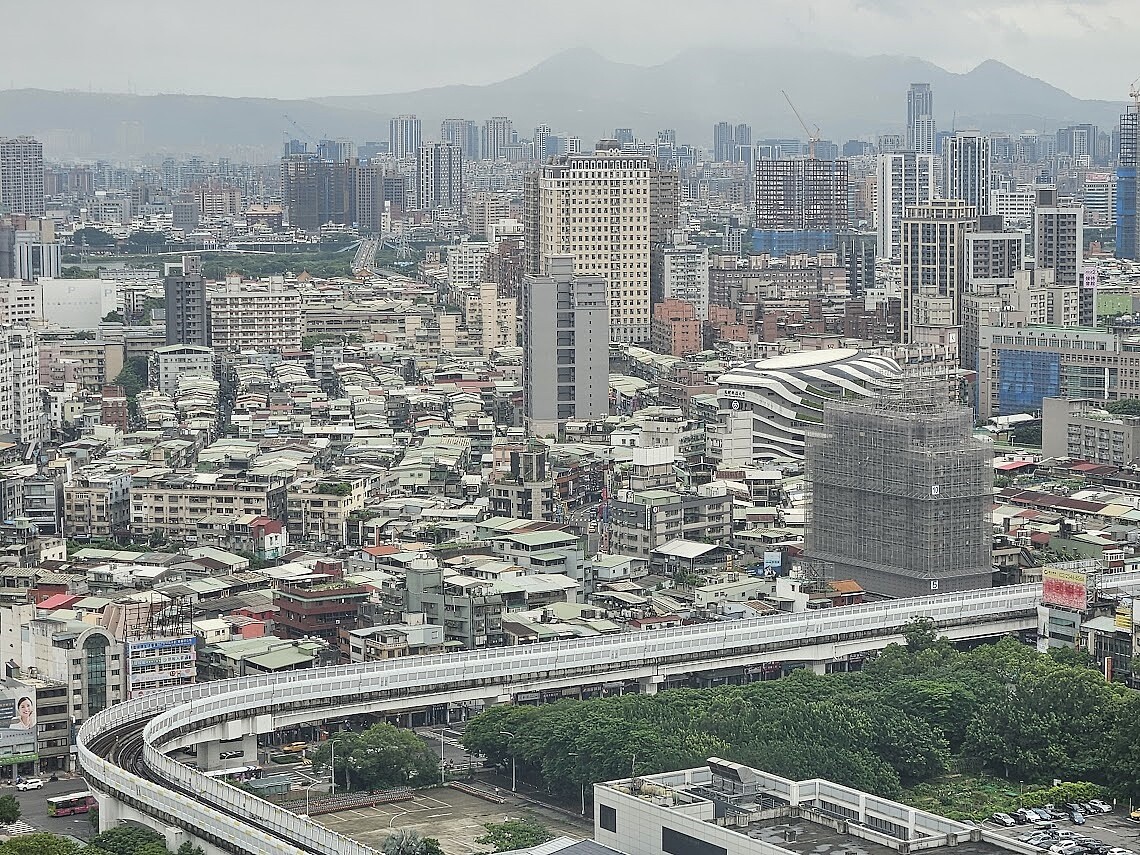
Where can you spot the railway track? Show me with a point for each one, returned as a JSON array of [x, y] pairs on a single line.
[[125, 747]]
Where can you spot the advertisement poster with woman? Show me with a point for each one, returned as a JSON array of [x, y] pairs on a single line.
[[17, 724]]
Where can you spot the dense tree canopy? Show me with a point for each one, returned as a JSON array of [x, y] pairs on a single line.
[[907, 717], [123, 840], [382, 756]]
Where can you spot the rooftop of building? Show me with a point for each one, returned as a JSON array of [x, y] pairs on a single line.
[[810, 817]]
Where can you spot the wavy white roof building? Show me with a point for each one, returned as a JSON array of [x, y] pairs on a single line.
[[765, 406]]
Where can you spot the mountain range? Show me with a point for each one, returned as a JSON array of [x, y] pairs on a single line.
[[577, 91]]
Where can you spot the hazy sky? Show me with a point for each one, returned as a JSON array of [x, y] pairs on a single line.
[[294, 49]]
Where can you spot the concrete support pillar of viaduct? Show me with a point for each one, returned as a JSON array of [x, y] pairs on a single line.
[[648, 685], [819, 667], [208, 754]]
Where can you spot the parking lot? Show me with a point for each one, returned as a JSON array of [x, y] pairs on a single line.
[[1113, 829], [452, 817]]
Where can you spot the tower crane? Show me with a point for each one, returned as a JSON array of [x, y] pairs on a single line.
[[307, 136], [813, 137], [1134, 93]]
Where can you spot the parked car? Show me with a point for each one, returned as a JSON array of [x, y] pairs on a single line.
[[1101, 805], [1042, 814], [295, 747], [1077, 818], [1003, 819], [1066, 847], [30, 784]]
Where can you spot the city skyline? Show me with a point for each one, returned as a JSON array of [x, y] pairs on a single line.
[[1082, 49]]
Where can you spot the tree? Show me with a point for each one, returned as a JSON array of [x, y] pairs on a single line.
[[920, 634], [130, 840], [114, 317], [382, 756], [92, 237], [39, 843], [9, 808], [406, 841], [1124, 407], [133, 376], [514, 834], [145, 241], [189, 848]]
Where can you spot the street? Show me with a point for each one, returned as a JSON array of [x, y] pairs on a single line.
[[33, 808]]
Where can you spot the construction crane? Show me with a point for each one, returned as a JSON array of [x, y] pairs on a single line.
[[1134, 93], [813, 138], [307, 136]]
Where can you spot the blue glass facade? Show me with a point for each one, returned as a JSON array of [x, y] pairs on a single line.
[[1024, 378], [1126, 212], [781, 242]]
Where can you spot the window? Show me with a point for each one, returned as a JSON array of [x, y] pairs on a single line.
[[676, 843], [607, 818]]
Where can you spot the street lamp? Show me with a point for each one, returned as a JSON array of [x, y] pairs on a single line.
[[307, 790], [442, 760], [513, 778], [332, 767], [574, 754]]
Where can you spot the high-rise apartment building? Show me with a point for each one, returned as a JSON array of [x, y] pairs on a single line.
[[966, 162], [263, 316], [185, 293], [900, 495], [22, 176], [404, 136], [1059, 240], [934, 266], [463, 133], [315, 191], [920, 119], [609, 210], [540, 141], [21, 405], [1127, 187], [439, 177], [724, 142], [802, 193], [566, 345], [686, 276], [905, 179], [994, 254], [498, 133], [336, 151]]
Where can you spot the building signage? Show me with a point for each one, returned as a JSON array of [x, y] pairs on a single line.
[[1066, 589]]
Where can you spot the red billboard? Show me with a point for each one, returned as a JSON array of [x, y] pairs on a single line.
[[1066, 589]]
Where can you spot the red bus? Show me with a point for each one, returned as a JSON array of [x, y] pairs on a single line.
[[71, 803]]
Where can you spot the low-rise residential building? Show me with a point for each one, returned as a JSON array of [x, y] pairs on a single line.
[[320, 611], [641, 522], [173, 361], [96, 503], [413, 637], [1081, 429]]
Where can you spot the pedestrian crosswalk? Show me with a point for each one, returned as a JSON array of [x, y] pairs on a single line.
[[18, 827]]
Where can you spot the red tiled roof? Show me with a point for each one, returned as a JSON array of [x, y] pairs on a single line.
[[58, 601]]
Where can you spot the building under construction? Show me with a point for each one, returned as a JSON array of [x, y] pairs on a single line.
[[899, 494]]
